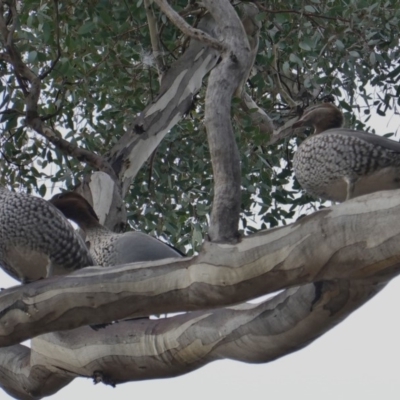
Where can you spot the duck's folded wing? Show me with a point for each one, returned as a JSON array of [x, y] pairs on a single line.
[[136, 246], [375, 140]]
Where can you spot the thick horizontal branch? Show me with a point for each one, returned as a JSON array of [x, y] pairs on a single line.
[[174, 346], [342, 242]]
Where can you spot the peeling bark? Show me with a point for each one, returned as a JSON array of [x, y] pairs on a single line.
[[328, 264], [178, 88], [342, 242], [143, 349]]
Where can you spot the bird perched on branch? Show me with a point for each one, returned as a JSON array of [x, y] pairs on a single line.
[[36, 240], [109, 248], [339, 164]]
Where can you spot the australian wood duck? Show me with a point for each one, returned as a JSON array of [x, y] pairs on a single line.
[[36, 240], [338, 164], [109, 248]]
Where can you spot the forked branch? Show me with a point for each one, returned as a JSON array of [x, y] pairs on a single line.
[[30, 84], [188, 30], [251, 333], [338, 243]]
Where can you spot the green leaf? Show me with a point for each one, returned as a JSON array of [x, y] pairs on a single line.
[[339, 44], [42, 190], [305, 46], [295, 59], [86, 28], [309, 9], [372, 58], [286, 68], [32, 56], [355, 54], [261, 16]]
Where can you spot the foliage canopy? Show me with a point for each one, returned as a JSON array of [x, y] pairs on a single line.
[[103, 72]]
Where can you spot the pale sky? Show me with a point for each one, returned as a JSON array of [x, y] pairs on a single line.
[[359, 359]]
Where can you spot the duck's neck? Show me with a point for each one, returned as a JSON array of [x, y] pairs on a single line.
[[86, 222], [327, 118], [324, 126]]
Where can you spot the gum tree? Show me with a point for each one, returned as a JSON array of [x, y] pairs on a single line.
[[175, 119]]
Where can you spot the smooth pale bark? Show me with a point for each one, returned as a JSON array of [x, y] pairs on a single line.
[[143, 349], [178, 88], [342, 242], [341, 256], [23, 380], [223, 81]]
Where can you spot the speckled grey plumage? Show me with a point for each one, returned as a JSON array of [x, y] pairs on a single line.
[[328, 163], [36, 240], [109, 248]]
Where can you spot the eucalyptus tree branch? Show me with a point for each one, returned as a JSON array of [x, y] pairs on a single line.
[[24, 381], [8, 42], [264, 123], [54, 62], [68, 148], [24, 76], [154, 38], [252, 28], [338, 243], [258, 116], [179, 85], [254, 333], [251, 25], [299, 12], [187, 29], [222, 84]]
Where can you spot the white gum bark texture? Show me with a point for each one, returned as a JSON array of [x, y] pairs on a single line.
[[323, 281], [326, 265]]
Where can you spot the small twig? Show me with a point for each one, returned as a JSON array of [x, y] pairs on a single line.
[[71, 149], [10, 161], [259, 118], [32, 94], [119, 35], [45, 73], [282, 91], [283, 132], [3, 24], [306, 14], [151, 165], [97, 66], [8, 35], [128, 8], [187, 29], [58, 110], [155, 44], [11, 31], [5, 57]]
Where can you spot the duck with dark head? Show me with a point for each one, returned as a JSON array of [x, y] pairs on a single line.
[[338, 164], [109, 248]]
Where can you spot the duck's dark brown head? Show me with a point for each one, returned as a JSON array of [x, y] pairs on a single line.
[[76, 208], [321, 117]]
